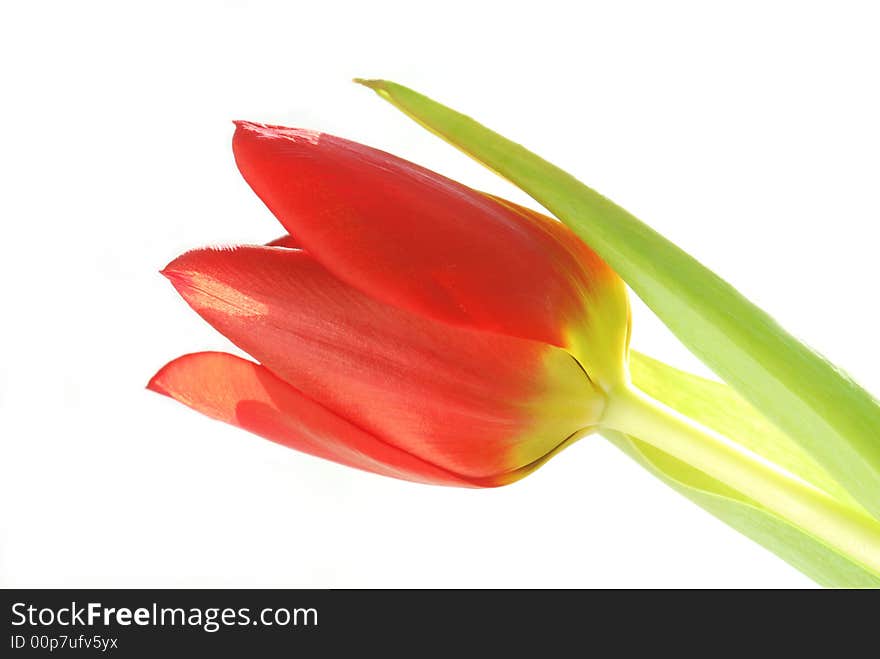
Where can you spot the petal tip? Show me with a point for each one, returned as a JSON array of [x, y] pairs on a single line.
[[173, 272], [156, 382], [243, 124], [163, 382], [184, 267], [260, 130]]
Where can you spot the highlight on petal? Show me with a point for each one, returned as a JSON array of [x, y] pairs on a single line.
[[477, 404], [247, 395], [420, 241]]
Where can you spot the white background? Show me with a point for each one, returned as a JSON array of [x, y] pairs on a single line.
[[746, 132]]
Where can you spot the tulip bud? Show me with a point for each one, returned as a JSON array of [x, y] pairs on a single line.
[[411, 326]]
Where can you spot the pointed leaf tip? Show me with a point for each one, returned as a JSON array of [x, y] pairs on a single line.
[[368, 82]]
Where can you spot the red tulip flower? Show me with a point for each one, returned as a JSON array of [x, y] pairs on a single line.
[[407, 325]]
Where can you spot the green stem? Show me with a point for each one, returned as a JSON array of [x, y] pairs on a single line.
[[813, 510]]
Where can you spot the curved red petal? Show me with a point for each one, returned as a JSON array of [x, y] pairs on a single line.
[[473, 403], [247, 395], [420, 241]]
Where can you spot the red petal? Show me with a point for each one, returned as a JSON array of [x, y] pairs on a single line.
[[473, 403], [246, 395], [420, 241], [285, 241]]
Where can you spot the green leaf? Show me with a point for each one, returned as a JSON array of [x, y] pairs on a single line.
[[808, 398], [718, 407], [809, 555]]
